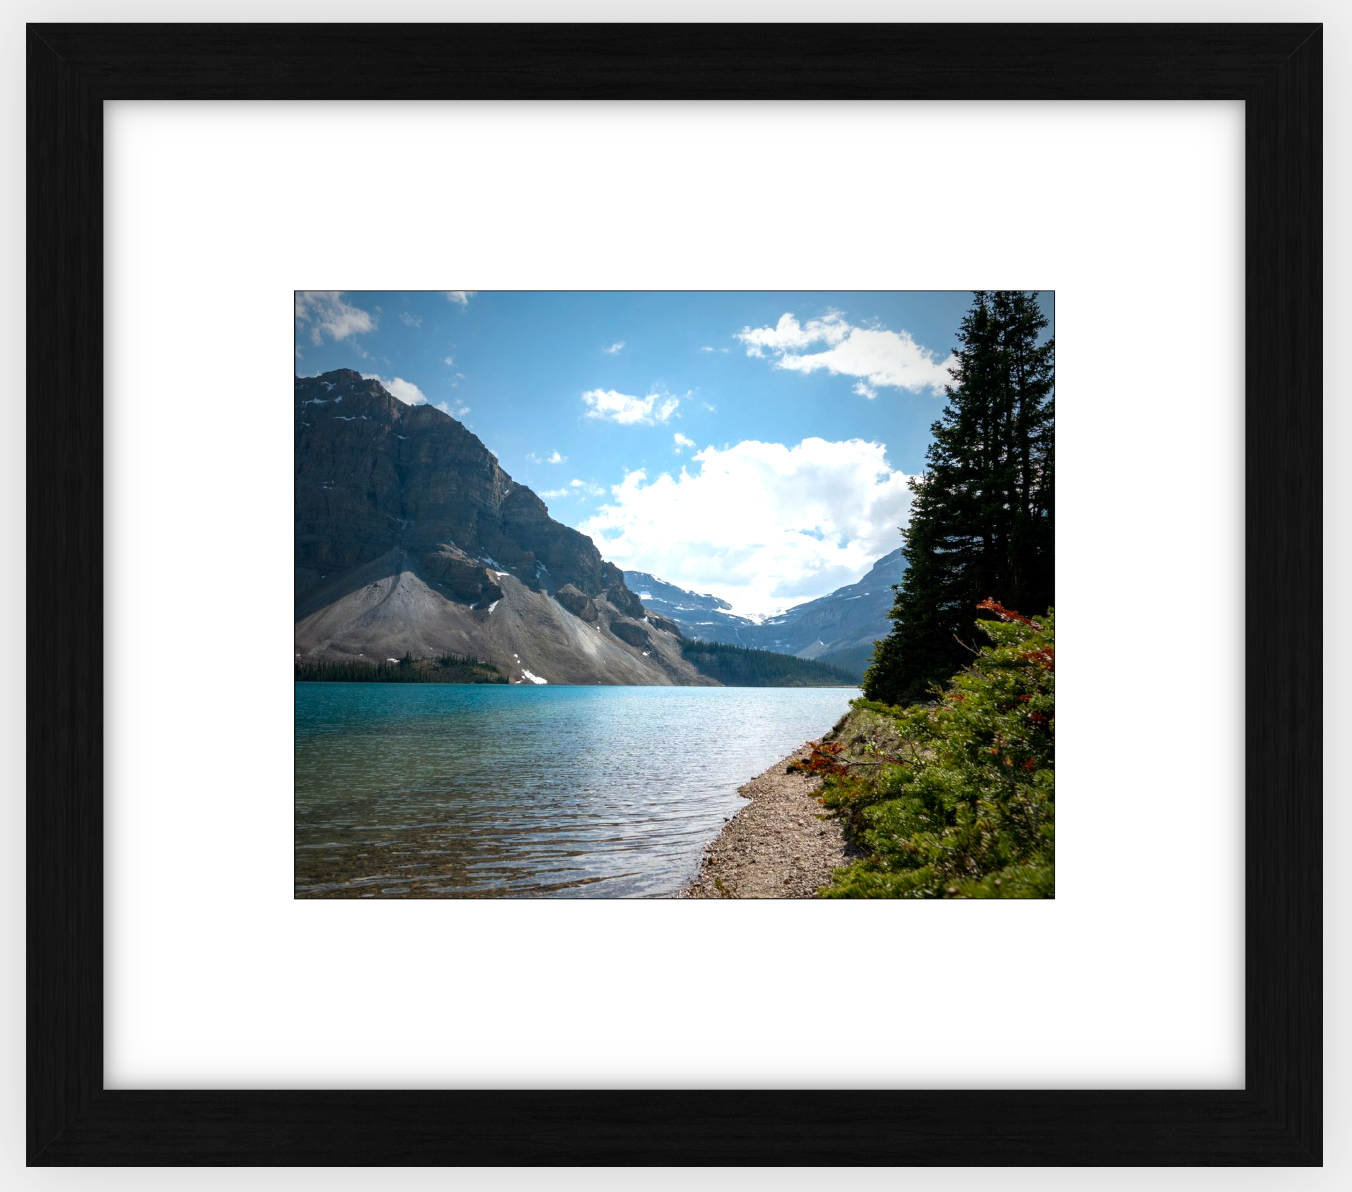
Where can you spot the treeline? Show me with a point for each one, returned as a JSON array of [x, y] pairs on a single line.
[[738, 666], [854, 662], [982, 519], [446, 668]]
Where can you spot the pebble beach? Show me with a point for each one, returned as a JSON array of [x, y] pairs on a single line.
[[782, 844]]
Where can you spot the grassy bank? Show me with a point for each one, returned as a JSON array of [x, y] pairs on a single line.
[[954, 798], [448, 668]]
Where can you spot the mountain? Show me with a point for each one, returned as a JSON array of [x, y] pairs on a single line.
[[700, 616], [409, 538], [839, 628]]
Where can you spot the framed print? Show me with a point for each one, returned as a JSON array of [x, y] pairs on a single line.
[[513, 508]]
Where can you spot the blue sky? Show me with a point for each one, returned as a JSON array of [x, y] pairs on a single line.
[[751, 444]]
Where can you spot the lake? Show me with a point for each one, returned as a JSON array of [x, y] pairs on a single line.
[[444, 790]]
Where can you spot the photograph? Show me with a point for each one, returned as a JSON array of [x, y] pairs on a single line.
[[674, 594]]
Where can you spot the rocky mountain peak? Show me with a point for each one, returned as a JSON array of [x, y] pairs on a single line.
[[373, 473], [409, 534]]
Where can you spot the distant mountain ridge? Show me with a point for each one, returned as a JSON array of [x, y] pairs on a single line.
[[410, 538], [838, 628], [701, 616]]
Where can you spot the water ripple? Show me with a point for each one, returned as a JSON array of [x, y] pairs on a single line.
[[483, 791]]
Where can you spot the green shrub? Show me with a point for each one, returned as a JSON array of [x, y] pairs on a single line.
[[966, 806]]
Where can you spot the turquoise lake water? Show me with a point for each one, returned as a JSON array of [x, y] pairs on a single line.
[[441, 790]]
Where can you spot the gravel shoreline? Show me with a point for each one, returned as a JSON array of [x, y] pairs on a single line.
[[782, 844]]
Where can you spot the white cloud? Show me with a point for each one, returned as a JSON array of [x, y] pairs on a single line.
[[809, 518], [325, 312], [406, 391], [552, 458], [682, 442], [706, 348], [831, 328], [553, 492], [460, 297], [458, 410], [708, 405], [877, 357], [585, 488], [628, 410], [409, 319], [449, 361], [614, 348]]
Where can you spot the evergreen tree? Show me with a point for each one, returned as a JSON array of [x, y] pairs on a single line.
[[447, 668], [738, 666], [982, 516]]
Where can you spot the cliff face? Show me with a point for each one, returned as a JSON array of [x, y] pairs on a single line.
[[410, 538]]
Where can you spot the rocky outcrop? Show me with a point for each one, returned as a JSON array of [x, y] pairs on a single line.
[[627, 631], [577, 602], [410, 538], [458, 578], [664, 623], [619, 595]]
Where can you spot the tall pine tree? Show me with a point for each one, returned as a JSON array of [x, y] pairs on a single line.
[[982, 521]]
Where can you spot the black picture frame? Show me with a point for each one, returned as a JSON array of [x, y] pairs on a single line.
[[1276, 70]]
